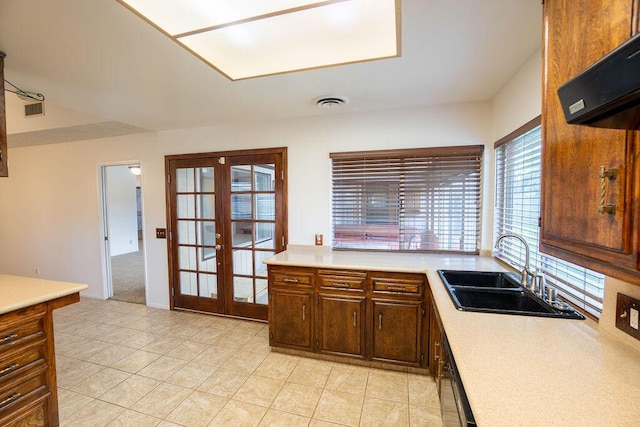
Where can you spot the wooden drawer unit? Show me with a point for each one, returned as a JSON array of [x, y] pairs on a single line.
[[21, 359], [398, 283], [21, 326], [345, 280], [291, 277], [18, 392]]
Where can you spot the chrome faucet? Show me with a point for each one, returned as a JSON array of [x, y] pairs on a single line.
[[526, 270]]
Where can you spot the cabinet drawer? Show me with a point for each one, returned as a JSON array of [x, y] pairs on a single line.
[[398, 284], [17, 393], [20, 326], [291, 277], [345, 280], [15, 363]]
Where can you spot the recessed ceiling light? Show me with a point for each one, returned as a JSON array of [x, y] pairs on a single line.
[[251, 38]]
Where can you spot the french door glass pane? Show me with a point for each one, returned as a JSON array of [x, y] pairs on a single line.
[[241, 206], [261, 291], [208, 285], [184, 180], [186, 206], [206, 233], [243, 262], [241, 233], [208, 260], [265, 235], [265, 206], [260, 268], [241, 178], [264, 177], [206, 182], [188, 283], [243, 289], [187, 256], [187, 232], [207, 206]]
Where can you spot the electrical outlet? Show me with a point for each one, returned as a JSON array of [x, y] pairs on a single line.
[[319, 239], [37, 271], [627, 310]]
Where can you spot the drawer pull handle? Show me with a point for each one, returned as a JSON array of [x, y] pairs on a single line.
[[396, 288], [379, 321], [340, 285], [288, 280], [8, 338], [304, 312], [11, 367], [12, 398]]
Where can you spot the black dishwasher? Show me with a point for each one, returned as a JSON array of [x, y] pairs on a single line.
[[454, 405]]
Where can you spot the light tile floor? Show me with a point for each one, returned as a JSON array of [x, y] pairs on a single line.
[[123, 364]]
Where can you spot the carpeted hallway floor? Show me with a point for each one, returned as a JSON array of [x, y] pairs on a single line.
[[127, 274]]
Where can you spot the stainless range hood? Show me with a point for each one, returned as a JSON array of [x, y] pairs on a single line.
[[607, 94]]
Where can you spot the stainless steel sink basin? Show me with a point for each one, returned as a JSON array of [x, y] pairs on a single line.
[[499, 292]]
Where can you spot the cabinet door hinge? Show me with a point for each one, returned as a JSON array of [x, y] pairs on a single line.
[[539, 222]]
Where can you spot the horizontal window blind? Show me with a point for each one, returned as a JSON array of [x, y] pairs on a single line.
[[517, 209], [407, 200]]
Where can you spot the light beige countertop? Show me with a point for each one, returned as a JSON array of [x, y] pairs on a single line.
[[18, 292], [516, 370]]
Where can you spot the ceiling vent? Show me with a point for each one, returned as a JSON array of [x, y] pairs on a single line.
[[34, 109], [330, 101]]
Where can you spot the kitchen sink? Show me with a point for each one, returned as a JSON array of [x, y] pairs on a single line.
[[499, 292]]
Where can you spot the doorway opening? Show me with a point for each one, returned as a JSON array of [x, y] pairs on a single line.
[[123, 233]]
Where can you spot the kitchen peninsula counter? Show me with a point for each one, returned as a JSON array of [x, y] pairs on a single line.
[[516, 370], [28, 387]]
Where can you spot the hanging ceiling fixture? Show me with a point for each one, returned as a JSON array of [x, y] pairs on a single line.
[[255, 38]]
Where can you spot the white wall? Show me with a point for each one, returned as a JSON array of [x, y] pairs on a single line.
[[50, 211], [122, 210]]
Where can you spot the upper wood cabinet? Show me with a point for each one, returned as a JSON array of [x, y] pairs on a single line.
[[576, 195]]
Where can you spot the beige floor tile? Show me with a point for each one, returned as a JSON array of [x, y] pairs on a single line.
[[130, 391], [377, 412], [278, 366], [238, 414], [244, 361], [339, 407], [110, 355], [69, 402], [249, 327], [297, 399], [162, 345], [87, 348], [191, 375], [423, 392], [320, 423], [119, 335], [77, 373], [215, 355], [168, 424], [233, 339], [135, 361], [348, 379], [208, 336], [131, 418], [160, 401], [311, 372], [258, 390], [197, 410], [100, 382], [275, 418], [388, 385], [162, 368], [257, 344], [96, 413], [183, 332], [139, 339], [421, 416], [188, 350], [224, 382], [64, 362]]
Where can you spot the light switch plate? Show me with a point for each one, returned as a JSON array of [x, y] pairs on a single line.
[[627, 309]]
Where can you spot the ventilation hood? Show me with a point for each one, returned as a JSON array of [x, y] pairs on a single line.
[[607, 94]]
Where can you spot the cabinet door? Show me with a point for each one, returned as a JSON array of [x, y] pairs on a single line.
[[396, 331], [290, 319], [341, 325], [578, 33]]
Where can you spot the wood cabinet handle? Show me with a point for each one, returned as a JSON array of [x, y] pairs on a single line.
[[379, 321], [355, 319], [11, 367], [288, 280], [340, 285], [604, 174], [304, 312], [8, 338], [13, 397], [396, 288]]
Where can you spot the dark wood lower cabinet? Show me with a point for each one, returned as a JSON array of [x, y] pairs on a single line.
[[376, 316], [340, 325], [290, 319], [396, 331]]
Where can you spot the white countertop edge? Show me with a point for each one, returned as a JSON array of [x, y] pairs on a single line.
[[18, 292]]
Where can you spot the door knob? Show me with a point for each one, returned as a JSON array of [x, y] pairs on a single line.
[[218, 247]]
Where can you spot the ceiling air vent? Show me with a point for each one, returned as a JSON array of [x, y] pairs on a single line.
[[34, 109], [330, 101]]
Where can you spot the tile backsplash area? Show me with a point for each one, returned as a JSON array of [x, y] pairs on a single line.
[[608, 320]]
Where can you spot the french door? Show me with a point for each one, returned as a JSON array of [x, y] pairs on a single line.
[[226, 214]]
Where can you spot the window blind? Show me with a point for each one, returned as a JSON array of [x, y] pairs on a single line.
[[407, 200], [517, 210]]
